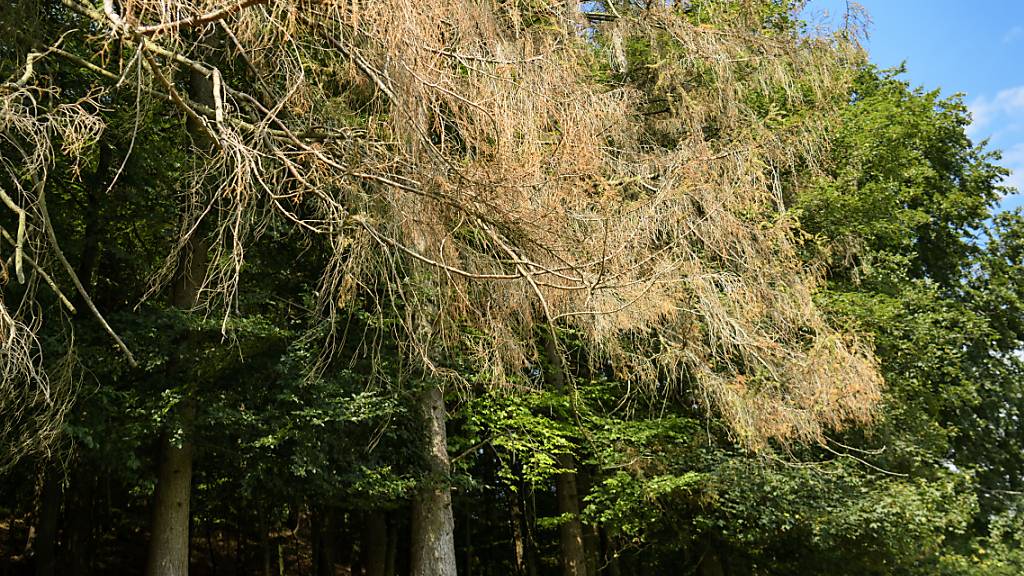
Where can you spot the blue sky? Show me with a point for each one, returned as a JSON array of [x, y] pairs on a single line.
[[975, 47]]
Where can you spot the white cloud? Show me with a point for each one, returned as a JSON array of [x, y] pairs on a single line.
[[1013, 158], [1014, 155], [1006, 108]]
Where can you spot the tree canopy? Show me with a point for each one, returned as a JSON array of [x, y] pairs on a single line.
[[491, 286]]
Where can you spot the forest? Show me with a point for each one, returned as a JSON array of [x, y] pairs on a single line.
[[497, 287]]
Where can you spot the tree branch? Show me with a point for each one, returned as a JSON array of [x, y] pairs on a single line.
[[200, 19], [48, 224], [46, 277]]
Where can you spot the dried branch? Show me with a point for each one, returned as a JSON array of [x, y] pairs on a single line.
[[42, 273], [201, 19]]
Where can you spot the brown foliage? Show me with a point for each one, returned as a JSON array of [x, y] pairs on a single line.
[[468, 164]]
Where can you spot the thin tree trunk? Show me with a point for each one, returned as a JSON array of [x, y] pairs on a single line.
[[266, 551], [529, 523], [591, 537], [391, 561], [611, 556], [710, 563], [211, 548], [325, 537], [46, 534], [169, 540], [81, 520], [433, 540], [96, 185], [468, 530], [574, 557], [518, 540], [374, 545]]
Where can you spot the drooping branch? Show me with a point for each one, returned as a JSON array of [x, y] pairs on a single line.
[[48, 225], [42, 273]]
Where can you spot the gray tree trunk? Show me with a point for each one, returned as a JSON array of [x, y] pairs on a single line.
[[433, 528], [168, 545], [169, 539]]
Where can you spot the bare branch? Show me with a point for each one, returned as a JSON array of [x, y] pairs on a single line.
[[201, 19]]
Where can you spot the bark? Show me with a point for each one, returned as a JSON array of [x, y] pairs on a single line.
[[169, 539], [433, 541], [374, 548], [710, 562], [529, 522], [467, 529]]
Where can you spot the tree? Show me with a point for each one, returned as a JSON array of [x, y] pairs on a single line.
[[482, 175]]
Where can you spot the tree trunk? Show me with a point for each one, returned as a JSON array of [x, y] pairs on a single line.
[[46, 533], [574, 557], [325, 539], [611, 555], [710, 562], [168, 547], [265, 546], [391, 561], [81, 521], [516, 523], [96, 185], [433, 540], [374, 545], [591, 535], [468, 544]]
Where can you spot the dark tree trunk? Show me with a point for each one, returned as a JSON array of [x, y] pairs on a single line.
[[374, 548], [391, 561], [433, 541], [516, 522], [79, 533], [467, 530], [96, 185], [265, 550], [529, 522], [591, 536], [611, 556], [710, 563], [325, 539], [46, 532]]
